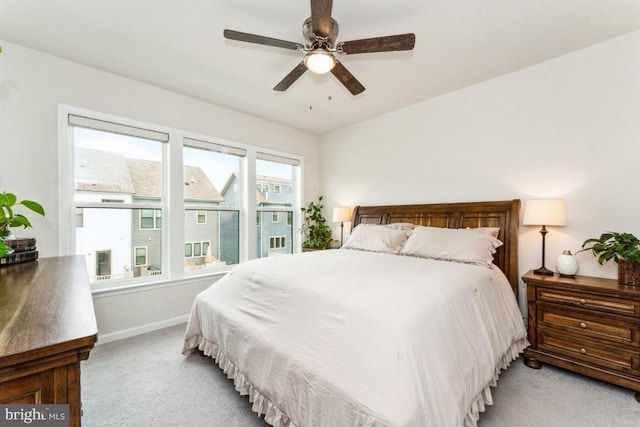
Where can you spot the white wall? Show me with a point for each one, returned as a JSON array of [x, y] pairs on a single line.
[[568, 128], [32, 84]]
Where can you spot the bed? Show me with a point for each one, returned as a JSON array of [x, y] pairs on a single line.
[[408, 324]]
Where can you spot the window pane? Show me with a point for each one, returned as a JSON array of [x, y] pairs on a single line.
[[188, 250], [274, 227], [123, 237], [211, 179], [111, 168]]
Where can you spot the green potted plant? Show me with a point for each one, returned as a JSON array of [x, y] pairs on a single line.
[[621, 248], [317, 234], [9, 219]]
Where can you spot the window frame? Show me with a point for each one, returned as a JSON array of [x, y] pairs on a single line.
[[201, 213], [172, 206], [135, 256]]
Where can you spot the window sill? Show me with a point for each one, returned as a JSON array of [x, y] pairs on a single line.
[[122, 289]]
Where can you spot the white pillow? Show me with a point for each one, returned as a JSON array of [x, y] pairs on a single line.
[[407, 226], [448, 244], [376, 238], [491, 231]]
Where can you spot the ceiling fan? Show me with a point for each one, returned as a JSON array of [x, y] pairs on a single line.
[[320, 32]]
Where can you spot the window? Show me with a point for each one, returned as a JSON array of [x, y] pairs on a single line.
[[79, 217], [117, 183], [196, 249], [141, 256], [128, 187], [279, 173], [212, 196], [277, 242], [103, 265], [202, 217], [150, 219]]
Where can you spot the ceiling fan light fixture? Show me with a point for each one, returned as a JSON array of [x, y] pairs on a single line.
[[319, 61]]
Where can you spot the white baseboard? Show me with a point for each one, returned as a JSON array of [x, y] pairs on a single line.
[[139, 330]]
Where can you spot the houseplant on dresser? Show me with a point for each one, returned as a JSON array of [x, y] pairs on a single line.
[[621, 248], [316, 232], [10, 219]]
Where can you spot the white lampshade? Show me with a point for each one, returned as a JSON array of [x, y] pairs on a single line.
[[545, 212], [341, 214], [319, 61]]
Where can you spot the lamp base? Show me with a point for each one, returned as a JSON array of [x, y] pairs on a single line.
[[543, 271]]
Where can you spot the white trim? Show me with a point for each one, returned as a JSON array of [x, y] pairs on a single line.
[[277, 158], [143, 329], [119, 128], [212, 146]]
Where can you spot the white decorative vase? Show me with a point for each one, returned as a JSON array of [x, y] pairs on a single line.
[[567, 264]]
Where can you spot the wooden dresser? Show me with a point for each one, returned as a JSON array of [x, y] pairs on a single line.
[[585, 324], [47, 326]]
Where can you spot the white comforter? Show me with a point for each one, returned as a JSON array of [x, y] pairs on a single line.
[[351, 338]]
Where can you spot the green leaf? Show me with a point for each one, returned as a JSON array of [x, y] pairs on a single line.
[[4, 249], [34, 206], [20, 221]]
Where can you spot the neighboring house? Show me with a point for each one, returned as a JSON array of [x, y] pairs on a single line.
[[132, 244], [274, 217]]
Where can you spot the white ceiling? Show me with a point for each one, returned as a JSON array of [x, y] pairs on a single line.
[[178, 45]]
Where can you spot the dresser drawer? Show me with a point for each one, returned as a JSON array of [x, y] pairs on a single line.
[[580, 349], [589, 301], [586, 324]]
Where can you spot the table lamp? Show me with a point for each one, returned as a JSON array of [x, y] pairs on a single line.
[[341, 215], [544, 212]]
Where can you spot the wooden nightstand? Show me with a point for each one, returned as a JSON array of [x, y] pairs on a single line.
[[587, 325]]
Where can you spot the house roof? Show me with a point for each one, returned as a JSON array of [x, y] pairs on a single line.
[[103, 171]]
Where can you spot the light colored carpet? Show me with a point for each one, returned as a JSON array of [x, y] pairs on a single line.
[[145, 380]]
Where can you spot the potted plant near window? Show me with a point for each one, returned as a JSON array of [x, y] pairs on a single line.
[[621, 248], [9, 219], [317, 234]]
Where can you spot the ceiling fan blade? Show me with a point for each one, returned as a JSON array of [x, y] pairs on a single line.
[[347, 79], [321, 17], [378, 44], [268, 41], [291, 77]]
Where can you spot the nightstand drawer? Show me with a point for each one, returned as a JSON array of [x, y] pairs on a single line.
[[590, 352], [590, 325], [593, 302]]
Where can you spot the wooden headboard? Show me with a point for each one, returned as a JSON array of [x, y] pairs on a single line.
[[502, 214]]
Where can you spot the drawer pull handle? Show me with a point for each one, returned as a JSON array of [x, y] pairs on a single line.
[[583, 325], [583, 350], [582, 301]]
